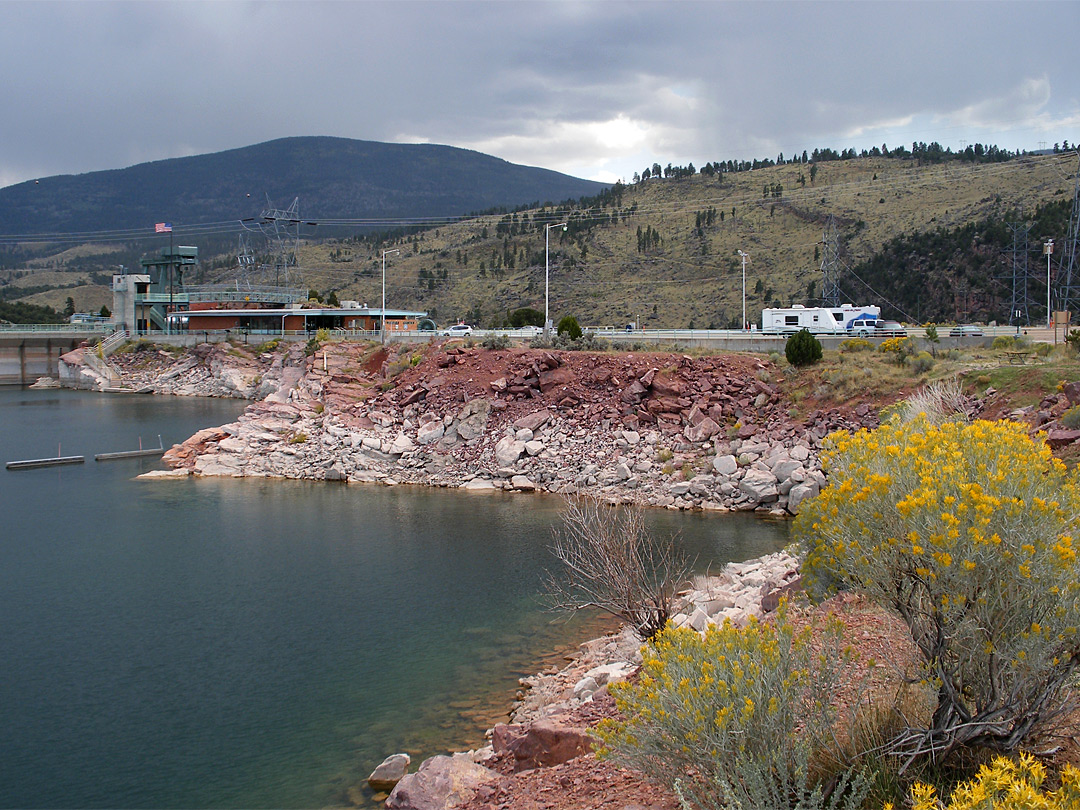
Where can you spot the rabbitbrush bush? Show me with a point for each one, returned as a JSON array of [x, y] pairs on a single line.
[[736, 719], [1004, 785], [967, 531]]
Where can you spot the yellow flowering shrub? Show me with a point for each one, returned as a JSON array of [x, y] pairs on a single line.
[[732, 719], [967, 531], [1004, 785]]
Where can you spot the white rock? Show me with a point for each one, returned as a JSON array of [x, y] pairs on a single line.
[[798, 494], [401, 444], [759, 486], [430, 432], [725, 465], [522, 483], [507, 451]]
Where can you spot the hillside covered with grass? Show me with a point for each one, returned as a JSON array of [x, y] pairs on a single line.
[[926, 239]]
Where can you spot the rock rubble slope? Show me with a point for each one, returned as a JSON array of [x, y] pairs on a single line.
[[657, 429]]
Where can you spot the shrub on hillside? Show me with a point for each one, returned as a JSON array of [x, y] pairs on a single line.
[[569, 326], [738, 718], [856, 345], [802, 349], [966, 531], [1003, 342], [1005, 784], [922, 362], [1071, 418], [899, 349]]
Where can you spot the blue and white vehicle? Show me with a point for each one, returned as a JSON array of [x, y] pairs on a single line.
[[847, 319]]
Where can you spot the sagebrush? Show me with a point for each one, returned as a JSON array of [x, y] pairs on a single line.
[[967, 531]]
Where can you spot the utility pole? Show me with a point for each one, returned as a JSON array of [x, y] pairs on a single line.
[[547, 272], [1048, 249], [382, 331], [745, 257]]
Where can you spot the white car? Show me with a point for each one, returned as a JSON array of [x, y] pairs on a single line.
[[966, 330], [531, 330], [457, 330]]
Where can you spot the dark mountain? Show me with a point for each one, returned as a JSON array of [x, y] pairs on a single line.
[[333, 177]]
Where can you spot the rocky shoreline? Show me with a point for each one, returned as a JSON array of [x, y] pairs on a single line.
[[550, 723], [659, 430]]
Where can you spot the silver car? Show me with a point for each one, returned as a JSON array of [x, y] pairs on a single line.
[[457, 330]]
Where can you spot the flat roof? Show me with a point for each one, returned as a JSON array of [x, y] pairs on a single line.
[[285, 311]]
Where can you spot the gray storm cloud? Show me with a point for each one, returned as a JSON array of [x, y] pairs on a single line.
[[594, 88]]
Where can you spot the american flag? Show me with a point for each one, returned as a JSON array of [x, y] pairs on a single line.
[[163, 227]]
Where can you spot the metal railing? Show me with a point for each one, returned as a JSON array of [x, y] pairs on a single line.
[[57, 328]]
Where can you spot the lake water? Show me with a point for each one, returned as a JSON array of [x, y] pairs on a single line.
[[247, 643]]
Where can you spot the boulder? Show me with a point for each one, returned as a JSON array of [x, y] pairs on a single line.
[[430, 432], [402, 444], [1072, 392], [705, 429], [760, 486], [784, 468], [441, 783], [534, 448], [799, 493], [389, 773], [770, 599], [508, 451], [543, 744], [725, 465], [555, 378], [533, 421], [522, 483], [471, 422]]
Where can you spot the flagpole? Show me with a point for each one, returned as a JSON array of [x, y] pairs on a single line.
[[172, 272]]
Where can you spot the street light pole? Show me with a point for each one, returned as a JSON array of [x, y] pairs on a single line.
[[382, 312], [547, 270], [1048, 249], [744, 257]]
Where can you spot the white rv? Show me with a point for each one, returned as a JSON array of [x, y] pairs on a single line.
[[846, 319]]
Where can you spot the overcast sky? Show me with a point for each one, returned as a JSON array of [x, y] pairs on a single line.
[[594, 89]]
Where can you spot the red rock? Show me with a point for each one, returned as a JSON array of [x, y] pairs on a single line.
[[1060, 438], [555, 377], [533, 421], [662, 387], [543, 744]]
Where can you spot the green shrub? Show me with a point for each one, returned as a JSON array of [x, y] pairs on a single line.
[[569, 326], [738, 718], [1043, 349], [802, 349], [966, 532], [1003, 342], [922, 362], [1071, 418], [496, 342]]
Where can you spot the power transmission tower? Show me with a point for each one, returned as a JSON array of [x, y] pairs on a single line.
[[282, 227], [830, 265], [1021, 275], [1067, 288]]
